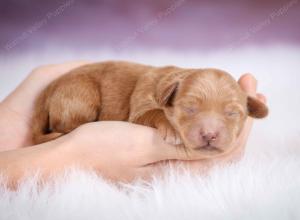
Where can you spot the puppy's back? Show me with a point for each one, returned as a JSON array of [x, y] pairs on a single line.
[[93, 92]]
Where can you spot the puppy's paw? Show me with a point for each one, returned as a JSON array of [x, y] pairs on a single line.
[[170, 135]]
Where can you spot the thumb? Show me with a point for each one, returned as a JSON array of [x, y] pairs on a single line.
[[248, 83], [159, 149]]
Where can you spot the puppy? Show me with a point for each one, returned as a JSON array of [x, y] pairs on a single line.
[[202, 109]]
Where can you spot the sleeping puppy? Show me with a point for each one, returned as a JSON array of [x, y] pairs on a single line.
[[203, 110]]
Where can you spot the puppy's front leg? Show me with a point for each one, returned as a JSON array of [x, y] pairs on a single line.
[[157, 119]]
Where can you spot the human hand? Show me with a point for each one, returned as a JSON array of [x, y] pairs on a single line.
[[137, 149], [16, 110]]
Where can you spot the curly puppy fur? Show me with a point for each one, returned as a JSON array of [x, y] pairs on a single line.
[[203, 110]]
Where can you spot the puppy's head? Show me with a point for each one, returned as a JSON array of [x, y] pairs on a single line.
[[208, 109]]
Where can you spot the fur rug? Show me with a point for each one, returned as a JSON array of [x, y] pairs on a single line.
[[263, 185]]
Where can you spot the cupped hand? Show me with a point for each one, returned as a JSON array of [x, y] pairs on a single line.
[[16, 110], [118, 150]]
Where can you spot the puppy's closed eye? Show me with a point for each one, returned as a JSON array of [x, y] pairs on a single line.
[[233, 114], [191, 110], [233, 111], [189, 107]]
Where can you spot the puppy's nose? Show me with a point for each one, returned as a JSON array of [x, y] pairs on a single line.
[[210, 136]]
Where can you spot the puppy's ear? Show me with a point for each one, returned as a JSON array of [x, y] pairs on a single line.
[[166, 94], [256, 109]]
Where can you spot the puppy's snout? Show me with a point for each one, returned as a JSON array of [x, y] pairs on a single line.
[[209, 136]]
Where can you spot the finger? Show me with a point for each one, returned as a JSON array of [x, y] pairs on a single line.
[[161, 149], [158, 149], [179, 152], [201, 166], [248, 83], [67, 66], [261, 98]]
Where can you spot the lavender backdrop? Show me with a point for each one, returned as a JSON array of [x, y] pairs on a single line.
[[128, 24]]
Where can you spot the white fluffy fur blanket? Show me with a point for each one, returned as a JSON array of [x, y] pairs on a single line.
[[264, 185]]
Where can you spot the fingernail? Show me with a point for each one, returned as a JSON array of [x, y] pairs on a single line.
[[252, 78]]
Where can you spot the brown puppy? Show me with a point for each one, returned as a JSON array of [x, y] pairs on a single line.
[[204, 109]]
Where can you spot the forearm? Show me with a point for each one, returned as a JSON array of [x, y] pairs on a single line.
[[49, 158]]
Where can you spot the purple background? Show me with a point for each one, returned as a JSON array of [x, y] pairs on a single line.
[[128, 24]]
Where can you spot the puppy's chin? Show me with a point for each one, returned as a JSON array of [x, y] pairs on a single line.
[[207, 151], [210, 151]]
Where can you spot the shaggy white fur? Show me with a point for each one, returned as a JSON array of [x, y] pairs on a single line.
[[264, 185]]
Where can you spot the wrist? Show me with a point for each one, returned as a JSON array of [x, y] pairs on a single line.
[[60, 154], [69, 151], [45, 159]]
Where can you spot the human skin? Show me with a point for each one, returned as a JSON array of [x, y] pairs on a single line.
[[119, 151]]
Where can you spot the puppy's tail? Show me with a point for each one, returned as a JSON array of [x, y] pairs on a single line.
[[41, 132]]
